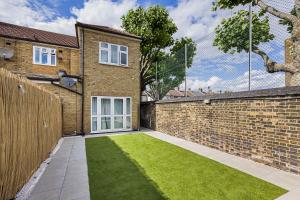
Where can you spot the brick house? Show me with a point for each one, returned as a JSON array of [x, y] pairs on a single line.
[[96, 73]]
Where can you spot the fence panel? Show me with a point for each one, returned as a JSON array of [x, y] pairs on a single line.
[[30, 126]]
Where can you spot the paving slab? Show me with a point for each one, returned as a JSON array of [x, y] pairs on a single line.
[[66, 176]]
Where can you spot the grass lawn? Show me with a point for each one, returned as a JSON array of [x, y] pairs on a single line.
[[140, 167]]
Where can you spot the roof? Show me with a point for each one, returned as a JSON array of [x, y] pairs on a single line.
[[175, 93], [108, 30], [35, 35]]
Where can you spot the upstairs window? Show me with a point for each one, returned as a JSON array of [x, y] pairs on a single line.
[[44, 56], [113, 54]]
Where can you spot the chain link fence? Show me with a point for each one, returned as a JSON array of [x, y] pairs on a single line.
[[213, 71]]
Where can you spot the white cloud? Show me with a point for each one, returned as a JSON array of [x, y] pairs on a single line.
[[260, 79], [101, 12], [104, 12], [23, 13]]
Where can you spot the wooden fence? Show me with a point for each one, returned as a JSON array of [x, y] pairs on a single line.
[[30, 126]]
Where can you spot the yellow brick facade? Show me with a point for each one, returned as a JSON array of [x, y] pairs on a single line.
[[109, 80], [22, 61], [98, 79], [71, 103]]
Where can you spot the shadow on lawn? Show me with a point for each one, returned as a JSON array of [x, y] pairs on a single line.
[[113, 175]]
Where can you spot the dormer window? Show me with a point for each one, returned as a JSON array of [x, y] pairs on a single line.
[[44, 56], [113, 54]]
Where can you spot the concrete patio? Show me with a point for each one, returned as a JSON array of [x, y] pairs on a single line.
[[66, 176]]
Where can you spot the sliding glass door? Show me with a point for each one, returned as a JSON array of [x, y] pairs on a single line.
[[110, 114]]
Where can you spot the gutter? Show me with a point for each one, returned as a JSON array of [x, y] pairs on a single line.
[[32, 78]]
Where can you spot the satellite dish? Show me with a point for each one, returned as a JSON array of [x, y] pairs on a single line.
[[6, 53]]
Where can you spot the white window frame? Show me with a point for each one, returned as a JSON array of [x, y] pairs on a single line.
[[112, 114], [49, 55], [109, 54]]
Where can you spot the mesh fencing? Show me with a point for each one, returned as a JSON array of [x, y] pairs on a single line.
[[213, 71]]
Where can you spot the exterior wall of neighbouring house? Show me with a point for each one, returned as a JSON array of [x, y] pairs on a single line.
[[71, 111], [261, 125], [109, 80], [22, 61]]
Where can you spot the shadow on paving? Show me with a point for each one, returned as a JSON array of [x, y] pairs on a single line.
[[113, 175]]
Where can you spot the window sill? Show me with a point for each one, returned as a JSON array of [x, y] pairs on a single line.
[[44, 64], [115, 65]]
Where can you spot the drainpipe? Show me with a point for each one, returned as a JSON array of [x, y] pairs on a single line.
[[82, 97]]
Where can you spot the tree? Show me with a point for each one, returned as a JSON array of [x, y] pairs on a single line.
[[156, 28], [171, 68], [232, 35]]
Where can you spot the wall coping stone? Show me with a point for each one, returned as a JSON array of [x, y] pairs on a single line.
[[265, 93]]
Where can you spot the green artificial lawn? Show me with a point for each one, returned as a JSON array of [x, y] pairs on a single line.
[[140, 167]]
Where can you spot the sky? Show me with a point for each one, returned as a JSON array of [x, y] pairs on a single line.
[[194, 18]]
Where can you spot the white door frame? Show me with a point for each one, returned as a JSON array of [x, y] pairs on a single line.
[[112, 114]]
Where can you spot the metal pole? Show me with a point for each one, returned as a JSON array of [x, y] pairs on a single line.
[[250, 44], [185, 89]]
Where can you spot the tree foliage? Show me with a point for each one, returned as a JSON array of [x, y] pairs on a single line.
[[156, 28], [232, 35], [229, 4], [171, 67]]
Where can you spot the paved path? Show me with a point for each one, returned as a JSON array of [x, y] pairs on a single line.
[[278, 177], [66, 176]]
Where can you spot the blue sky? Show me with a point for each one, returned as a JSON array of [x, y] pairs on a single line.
[[194, 18]]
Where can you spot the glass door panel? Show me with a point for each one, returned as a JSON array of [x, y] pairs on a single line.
[[118, 106], [105, 106], [118, 122], [105, 123], [110, 114]]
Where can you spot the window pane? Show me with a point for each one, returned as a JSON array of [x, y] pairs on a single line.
[[104, 56], [104, 45], [53, 59], [105, 106], [118, 106], [114, 54], [123, 59], [123, 48], [94, 105], [44, 56], [105, 123], [128, 122], [37, 55], [118, 122], [94, 124], [128, 108]]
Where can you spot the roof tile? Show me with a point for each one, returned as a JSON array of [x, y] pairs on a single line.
[[35, 35]]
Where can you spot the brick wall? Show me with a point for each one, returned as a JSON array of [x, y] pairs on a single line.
[[262, 125], [71, 108], [22, 61], [109, 80]]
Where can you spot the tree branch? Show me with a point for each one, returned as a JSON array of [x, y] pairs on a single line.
[[297, 7], [273, 66], [277, 13]]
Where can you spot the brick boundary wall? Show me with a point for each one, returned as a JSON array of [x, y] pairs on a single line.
[[261, 125]]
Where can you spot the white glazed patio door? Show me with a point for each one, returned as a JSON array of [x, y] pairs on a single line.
[[110, 114]]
